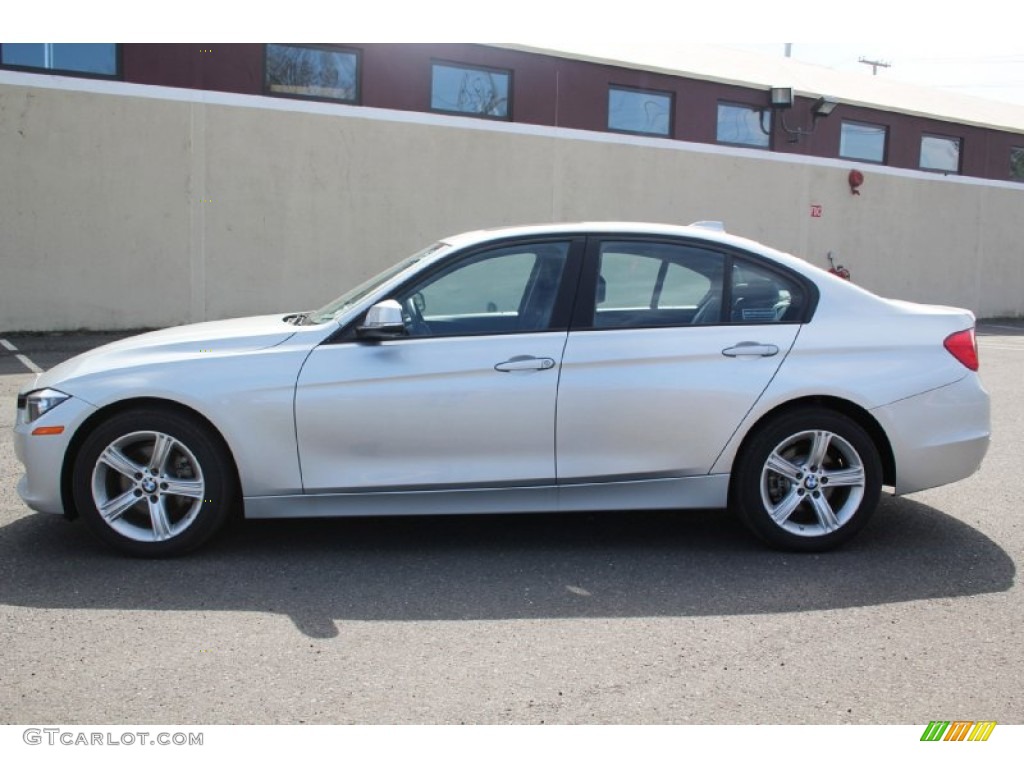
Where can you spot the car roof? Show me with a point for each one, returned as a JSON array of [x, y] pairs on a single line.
[[707, 231]]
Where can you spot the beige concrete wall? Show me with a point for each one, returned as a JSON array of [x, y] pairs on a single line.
[[122, 211]]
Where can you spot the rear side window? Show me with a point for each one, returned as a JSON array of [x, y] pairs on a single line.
[[760, 295], [644, 285], [641, 284]]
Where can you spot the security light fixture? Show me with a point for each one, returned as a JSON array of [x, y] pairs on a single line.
[[782, 100], [823, 106]]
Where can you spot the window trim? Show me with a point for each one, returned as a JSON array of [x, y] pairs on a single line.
[[671, 132], [585, 306], [118, 67], [509, 73], [959, 153], [763, 110], [356, 100], [885, 142]]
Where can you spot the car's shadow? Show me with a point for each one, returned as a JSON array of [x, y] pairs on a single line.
[[505, 567]]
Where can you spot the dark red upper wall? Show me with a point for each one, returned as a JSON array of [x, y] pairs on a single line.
[[550, 90], [234, 67]]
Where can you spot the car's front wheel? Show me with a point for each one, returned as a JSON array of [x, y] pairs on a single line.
[[807, 480], [153, 483]]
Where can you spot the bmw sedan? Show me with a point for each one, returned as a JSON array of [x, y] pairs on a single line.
[[600, 366]]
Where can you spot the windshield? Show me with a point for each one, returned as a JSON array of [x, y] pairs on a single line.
[[346, 300]]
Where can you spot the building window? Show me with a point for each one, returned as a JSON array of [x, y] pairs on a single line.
[[748, 126], [940, 153], [863, 141], [73, 58], [1017, 163], [634, 111], [468, 90], [313, 73]]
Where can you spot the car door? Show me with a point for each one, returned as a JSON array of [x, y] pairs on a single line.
[[671, 345], [466, 399]]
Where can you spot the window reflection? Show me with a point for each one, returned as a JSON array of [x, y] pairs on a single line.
[[940, 153], [470, 90], [748, 126], [636, 111], [1017, 163], [314, 72], [91, 58], [863, 141]]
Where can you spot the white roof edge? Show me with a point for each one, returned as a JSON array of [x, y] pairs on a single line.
[[719, 64], [580, 55]]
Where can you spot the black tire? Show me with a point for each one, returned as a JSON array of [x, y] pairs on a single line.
[[146, 513], [793, 502]]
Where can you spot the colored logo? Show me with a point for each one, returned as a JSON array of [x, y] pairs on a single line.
[[958, 730]]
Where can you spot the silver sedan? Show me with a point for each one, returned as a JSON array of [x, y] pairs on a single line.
[[603, 366]]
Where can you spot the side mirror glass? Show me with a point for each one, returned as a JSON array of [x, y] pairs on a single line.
[[383, 321]]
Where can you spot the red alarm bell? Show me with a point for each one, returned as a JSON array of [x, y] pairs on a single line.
[[856, 178]]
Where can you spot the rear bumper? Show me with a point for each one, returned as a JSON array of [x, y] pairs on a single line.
[[938, 437]]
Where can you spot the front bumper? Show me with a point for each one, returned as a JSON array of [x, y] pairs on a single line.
[[938, 437], [43, 455]]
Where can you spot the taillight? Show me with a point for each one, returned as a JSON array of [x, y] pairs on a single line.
[[963, 346]]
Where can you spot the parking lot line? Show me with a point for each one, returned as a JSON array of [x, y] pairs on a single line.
[[24, 360]]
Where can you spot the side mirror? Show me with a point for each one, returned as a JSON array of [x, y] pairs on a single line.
[[383, 321]]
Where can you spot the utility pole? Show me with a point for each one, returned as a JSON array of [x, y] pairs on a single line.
[[874, 64]]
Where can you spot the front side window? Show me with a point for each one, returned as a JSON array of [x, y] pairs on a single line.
[[309, 72], [940, 153], [635, 111], [470, 90], [507, 290], [1017, 163], [83, 58], [746, 126], [863, 141]]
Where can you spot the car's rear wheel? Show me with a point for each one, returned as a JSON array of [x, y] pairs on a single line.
[[807, 480], [153, 483]]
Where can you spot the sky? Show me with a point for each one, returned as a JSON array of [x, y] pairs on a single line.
[[989, 71]]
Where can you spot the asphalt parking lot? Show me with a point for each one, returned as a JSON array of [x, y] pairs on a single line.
[[619, 618]]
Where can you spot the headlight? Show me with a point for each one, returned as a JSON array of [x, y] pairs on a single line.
[[39, 402]]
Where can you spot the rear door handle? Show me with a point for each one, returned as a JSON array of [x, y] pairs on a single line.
[[525, 363], [751, 349]]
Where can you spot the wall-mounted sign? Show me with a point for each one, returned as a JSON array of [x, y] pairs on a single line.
[[815, 211]]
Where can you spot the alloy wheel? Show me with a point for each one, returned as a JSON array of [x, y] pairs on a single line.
[[148, 486]]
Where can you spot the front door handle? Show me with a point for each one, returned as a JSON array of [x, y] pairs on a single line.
[[525, 363], [751, 349]]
